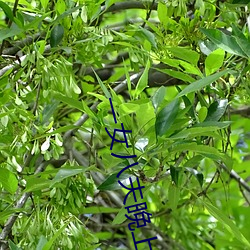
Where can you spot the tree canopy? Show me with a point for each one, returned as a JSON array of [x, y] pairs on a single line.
[[172, 74]]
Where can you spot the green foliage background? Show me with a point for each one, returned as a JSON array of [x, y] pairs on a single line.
[[178, 75]]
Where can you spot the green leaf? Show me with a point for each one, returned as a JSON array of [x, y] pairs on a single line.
[[100, 97], [147, 35], [214, 61], [173, 196], [9, 211], [9, 32], [158, 97], [186, 54], [99, 210], [207, 46], [177, 74], [197, 85], [216, 110], [143, 81], [49, 244], [204, 150], [13, 246], [70, 101], [198, 175], [67, 13], [128, 108], [35, 183], [56, 131], [188, 105], [66, 172], [193, 132], [104, 89], [127, 77], [237, 32], [227, 223], [202, 114], [44, 3], [111, 183], [49, 110], [218, 125], [56, 35], [189, 68], [244, 45], [41, 243], [194, 161], [36, 21], [166, 117], [8, 180], [7, 10], [223, 41], [162, 12], [174, 172]]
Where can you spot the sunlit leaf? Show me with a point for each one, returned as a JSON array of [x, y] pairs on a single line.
[[7, 10], [214, 61], [143, 81], [185, 54], [8, 180]]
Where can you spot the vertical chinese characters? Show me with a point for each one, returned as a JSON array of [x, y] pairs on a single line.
[[140, 217]]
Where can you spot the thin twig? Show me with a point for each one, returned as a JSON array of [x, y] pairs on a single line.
[[235, 176], [148, 14], [244, 195]]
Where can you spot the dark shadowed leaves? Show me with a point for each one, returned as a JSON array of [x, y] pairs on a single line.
[[166, 117], [245, 2], [56, 35], [174, 172], [216, 110]]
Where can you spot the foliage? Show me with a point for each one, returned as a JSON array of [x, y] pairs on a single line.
[[178, 75]]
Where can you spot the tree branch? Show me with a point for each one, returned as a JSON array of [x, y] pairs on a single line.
[[236, 177], [129, 5], [16, 63], [21, 44]]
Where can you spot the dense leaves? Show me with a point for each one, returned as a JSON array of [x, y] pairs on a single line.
[[177, 73]]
